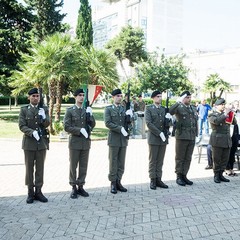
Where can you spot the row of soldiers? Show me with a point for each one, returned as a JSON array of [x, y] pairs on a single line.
[[33, 119]]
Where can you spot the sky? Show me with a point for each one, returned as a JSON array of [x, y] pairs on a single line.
[[207, 24]]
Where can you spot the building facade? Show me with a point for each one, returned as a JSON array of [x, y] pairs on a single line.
[[161, 21]]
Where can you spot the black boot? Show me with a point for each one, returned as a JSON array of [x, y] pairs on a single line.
[[74, 192], [30, 197], [153, 185], [161, 184], [113, 187], [120, 187], [187, 181], [82, 192], [216, 177], [222, 178], [180, 180], [39, 196]]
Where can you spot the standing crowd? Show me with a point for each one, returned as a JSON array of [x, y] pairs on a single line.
[[79, 122]]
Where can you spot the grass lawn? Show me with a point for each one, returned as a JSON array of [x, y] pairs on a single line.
[[9, 123]]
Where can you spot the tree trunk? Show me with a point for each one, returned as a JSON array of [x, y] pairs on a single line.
[[59, 92]]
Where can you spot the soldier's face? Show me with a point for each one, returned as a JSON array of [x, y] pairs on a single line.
[[157, 99], [80, 98], [187, 100], [34, 99], [117, 99]]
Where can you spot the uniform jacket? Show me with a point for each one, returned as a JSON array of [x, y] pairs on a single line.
[[220, 135], [29, 121], [186, 121], [74, 120], [156, 123], [114, 121]]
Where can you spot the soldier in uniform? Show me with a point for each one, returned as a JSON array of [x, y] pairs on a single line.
[[33, 122], [158, 123], [141, 104], [114, 117], [220, 139], [76, 124], [186, 132]]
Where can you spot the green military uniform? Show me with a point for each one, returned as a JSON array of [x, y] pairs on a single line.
[[74, 120], [114, 120], [156, 123], [220, 140], [141, 106], [34, 151], [186, 132]]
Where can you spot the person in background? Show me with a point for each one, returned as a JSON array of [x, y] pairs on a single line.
[[185, 135], [203, 108], [157, 123], [77, 124], [141, 103], [234, 130], [220, 139], [209, 157], [33, 121], [114, 118]]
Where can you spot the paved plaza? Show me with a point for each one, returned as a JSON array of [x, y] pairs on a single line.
[[205, 210]]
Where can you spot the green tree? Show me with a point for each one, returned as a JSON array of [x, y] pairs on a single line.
[[84, 30], [53, 64], [215, 84], [129, 44], [48, 17], [15, 33], [164, 73]]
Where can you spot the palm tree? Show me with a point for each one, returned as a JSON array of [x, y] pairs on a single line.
[[52, 64], [213, 84]]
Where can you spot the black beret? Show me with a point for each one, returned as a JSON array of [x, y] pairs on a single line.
[[33, 91], [140, 95], [80, 90], [220, 101], [116, 92], [155, 93], [185, 92]]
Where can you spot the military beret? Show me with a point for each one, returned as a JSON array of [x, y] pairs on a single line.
[[33, 91], [220, 101], [185, 92], [155, 93], [116, 92], [140, 95], [80, 90]]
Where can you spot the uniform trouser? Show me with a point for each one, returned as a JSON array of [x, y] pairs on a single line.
[[184, 150], [34, 159], [78, 158], [116, 162], [156, 157], [220, 158]]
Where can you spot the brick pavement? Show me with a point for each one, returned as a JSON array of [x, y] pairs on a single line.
[[203, 211]]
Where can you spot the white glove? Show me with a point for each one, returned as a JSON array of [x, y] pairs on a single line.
[[162, 136], [84, 132], [129, 112], [123, 131], [42, 113], [89, 110], [168, 116], [35, 135], [180, 99]]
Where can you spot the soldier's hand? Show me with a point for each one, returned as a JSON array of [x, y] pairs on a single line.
[[129, 112], [123, 131], [84, 132], [162, 136], [168, 116], [42, 113], [35, 135], [180, 99], [89, 110]]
